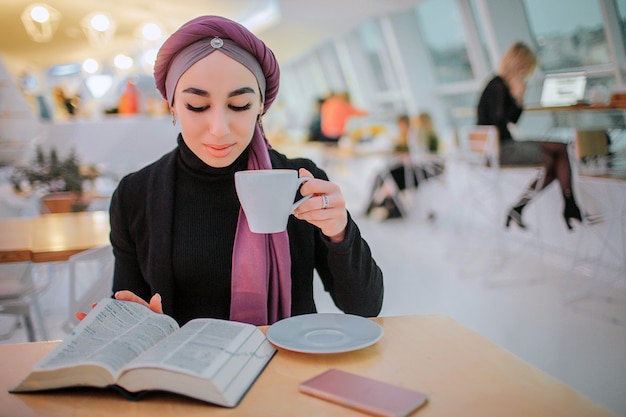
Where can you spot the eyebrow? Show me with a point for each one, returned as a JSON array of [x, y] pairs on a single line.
[[240, 91], [203, 93]]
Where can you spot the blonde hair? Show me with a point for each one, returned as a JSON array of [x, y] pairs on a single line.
[[519, 58]]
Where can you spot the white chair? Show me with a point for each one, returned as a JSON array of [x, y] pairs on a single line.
[[481, 201], [19, 291], [597, 276], [479, 186], [91, 279]]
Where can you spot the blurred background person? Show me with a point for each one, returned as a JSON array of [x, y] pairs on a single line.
[[315, 125], [408, 166], [427, 137], [335, 112], [501, 103], [129, 100], [65, 106]]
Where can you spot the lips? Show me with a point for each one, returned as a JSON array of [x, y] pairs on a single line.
[[219, 151]]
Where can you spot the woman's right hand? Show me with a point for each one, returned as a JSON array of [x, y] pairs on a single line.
[[125, 295]]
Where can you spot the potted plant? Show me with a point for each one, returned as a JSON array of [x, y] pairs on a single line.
[[59, 181]]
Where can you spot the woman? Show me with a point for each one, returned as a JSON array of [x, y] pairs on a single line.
[[427, 136], [181, 244], [502, 103], [419, 134]]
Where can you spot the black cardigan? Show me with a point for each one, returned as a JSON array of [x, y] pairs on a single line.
[[141, 215]]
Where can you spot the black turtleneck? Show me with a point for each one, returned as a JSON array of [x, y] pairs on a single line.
[[205, 221], [173, 224]]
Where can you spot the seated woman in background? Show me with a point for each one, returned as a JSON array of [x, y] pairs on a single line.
[[315, 126], [501, 103], [415, 137], [427, 137]]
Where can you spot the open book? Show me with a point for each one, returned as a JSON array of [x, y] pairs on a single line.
[[127, 346]]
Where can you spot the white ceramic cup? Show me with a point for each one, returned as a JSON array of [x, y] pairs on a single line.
[[266, 196]]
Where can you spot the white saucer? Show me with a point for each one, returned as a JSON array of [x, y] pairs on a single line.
[[324, 333]]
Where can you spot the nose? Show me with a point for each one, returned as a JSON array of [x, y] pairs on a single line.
[[218, 122]]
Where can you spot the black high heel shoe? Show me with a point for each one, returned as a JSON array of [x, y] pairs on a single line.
[[515, 216], [571, 212]]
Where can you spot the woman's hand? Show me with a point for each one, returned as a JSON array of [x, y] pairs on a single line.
[[125, 295], [154, 304], [326, 209], [517, 86]]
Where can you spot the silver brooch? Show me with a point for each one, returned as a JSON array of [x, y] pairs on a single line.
[[217, 43]]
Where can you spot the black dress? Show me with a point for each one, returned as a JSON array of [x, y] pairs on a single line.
[[498, 108]]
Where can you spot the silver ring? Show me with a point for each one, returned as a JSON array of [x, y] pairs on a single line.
[[325, 201]]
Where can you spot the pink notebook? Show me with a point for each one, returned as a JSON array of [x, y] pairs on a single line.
[[364, 394]]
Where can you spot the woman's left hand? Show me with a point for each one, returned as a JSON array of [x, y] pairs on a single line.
[[326, 209]]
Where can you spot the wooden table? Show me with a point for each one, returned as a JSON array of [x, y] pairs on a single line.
[[579, 107], [462, 373], [574, 116], [52, 237]]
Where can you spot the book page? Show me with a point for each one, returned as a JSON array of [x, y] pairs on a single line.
[[112, 334], [201, 347]]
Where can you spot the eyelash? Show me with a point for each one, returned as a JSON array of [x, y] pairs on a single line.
[[203, 108]]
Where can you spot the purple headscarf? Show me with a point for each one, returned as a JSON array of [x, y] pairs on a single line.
[[261, 265], [216, 26]]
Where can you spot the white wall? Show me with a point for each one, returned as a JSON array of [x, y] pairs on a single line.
[[116, 144]]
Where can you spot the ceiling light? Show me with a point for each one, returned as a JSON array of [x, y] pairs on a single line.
[[123, 62], [90, 66], [99, 28], [151, 32], [40, 21], [149, 58], [100, 22], [39, 14]]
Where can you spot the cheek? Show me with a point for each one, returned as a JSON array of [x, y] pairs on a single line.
[[244, 126], [191, 127]]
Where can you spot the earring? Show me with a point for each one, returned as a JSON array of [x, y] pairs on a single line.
[[173, 118]]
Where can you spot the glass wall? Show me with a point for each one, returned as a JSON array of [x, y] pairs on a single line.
[[443, 31], [375, 50], [380, 75], [568, 33], [440, 53]]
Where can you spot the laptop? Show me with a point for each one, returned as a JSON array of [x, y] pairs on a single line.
[[563, 89]]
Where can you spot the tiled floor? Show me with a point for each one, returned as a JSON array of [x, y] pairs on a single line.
[[426, 271]]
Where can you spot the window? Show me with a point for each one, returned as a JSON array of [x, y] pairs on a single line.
[[373, 46], [568, 33], [330, 69], [621, 9], [441, 24]]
